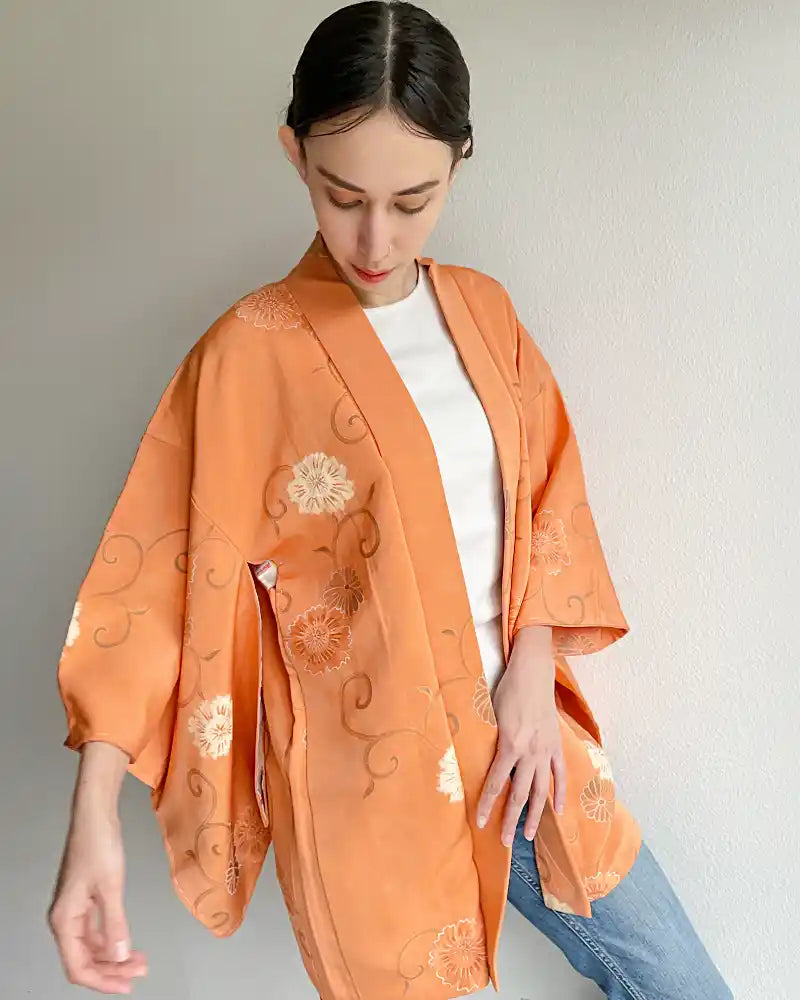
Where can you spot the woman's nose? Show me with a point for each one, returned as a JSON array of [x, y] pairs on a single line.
[[374, 239]]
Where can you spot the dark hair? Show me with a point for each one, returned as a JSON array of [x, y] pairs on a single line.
[[377, 55]]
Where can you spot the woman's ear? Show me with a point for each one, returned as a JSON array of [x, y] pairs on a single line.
[[293, 149], [454, 169]]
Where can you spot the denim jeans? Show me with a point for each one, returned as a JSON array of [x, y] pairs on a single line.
[[639, 943]]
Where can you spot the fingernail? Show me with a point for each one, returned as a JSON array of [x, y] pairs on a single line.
[[121, 952], [507, 840], [560, 807], [481, 821]]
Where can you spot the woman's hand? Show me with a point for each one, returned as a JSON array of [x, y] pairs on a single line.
[[87, 916], [529, 738]]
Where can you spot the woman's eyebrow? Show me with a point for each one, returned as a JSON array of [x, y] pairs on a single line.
[[339, 182]]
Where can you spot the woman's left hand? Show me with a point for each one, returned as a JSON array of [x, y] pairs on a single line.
[[529, 738]]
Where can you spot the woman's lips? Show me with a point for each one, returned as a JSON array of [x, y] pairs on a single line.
[[371, 276]]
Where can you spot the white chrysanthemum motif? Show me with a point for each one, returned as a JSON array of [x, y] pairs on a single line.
[[553, 903], [211, 726], [599, 760], [271, 308], [449, 782], [320, 484], [74, 629]]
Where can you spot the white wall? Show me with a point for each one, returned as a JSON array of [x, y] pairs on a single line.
[[635, 186]]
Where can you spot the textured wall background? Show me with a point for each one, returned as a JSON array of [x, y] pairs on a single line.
[[635, 186]]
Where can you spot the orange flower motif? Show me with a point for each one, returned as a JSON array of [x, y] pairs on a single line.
[[576, 643], [597, 800], [600, 885], [458, 956], [321, 638], [271, 308], [250, 836], [482, 702], [549, 543], [344, 591]]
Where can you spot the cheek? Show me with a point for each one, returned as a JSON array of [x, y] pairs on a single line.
[[421, 226], [336, 226]]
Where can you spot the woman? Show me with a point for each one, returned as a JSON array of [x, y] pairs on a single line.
[[331, 608]]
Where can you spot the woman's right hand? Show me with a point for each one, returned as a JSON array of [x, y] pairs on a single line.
[[87, 915]]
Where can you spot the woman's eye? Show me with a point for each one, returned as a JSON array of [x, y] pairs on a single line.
[[344, 204], [354, 204], [413, 211]]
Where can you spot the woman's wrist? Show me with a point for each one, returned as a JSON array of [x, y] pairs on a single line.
[[535, 641], [532, 655], [100, 775]]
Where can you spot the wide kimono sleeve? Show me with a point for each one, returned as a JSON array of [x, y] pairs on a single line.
[[569, 585], [120, 663], [115, 688], [164, 653], [165, 618]]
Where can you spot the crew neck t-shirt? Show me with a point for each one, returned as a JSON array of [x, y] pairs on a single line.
[[415, 335]]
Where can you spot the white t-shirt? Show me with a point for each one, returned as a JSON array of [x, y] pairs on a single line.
[[416, 337]]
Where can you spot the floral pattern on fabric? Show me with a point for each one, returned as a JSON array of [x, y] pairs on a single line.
[[599, 760], [211, 726], [549, 546], [449, 781], [601, 884], [344, 592], [271, 308], [597, 800], [250, 838], [321, 639], [482, 702], [320, 484], [576, 642], [458, 956]]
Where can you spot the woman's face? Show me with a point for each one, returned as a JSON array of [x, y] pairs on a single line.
[[377, 191]]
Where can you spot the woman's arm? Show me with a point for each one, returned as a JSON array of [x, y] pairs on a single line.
[[87, 915]]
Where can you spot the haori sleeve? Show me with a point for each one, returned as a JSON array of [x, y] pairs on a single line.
[[569, 586], [120, 662]]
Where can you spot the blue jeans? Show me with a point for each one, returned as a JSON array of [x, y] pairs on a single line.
[[639, 943]]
